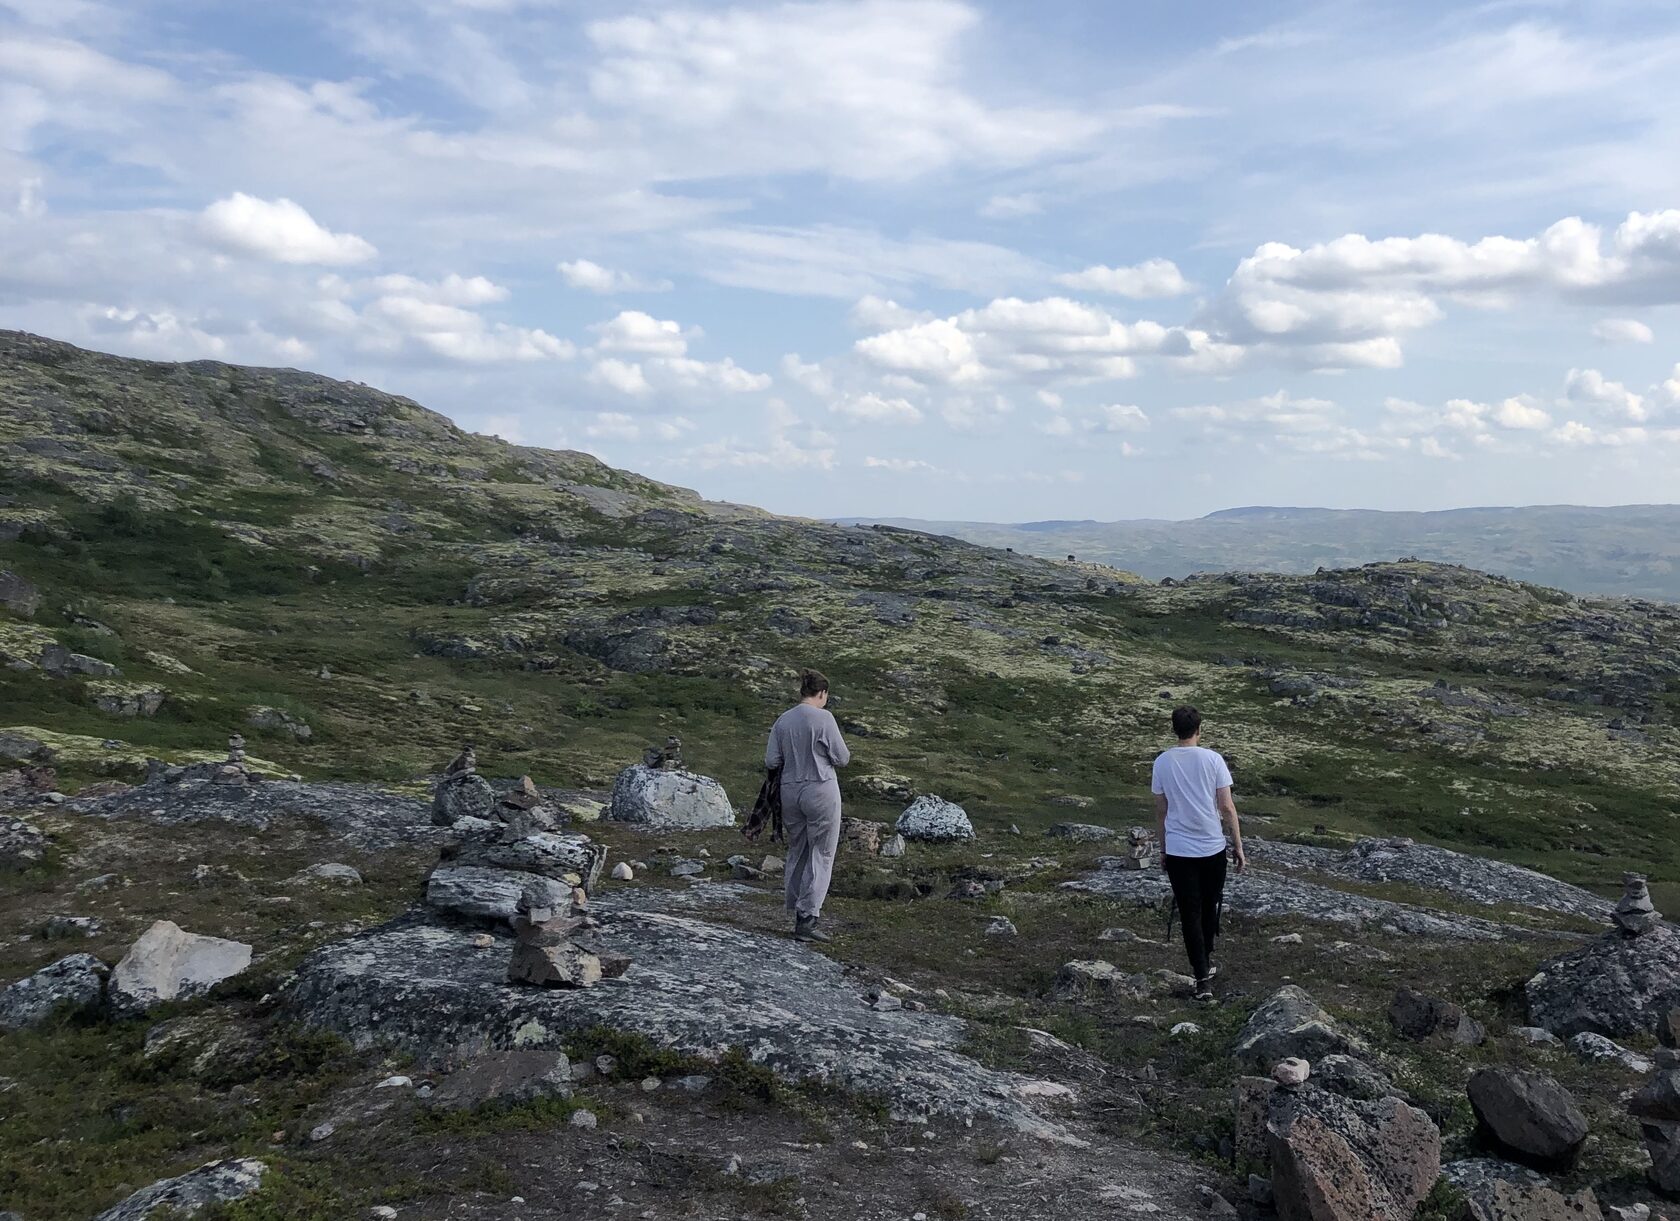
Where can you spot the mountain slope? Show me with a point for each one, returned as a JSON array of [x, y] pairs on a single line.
[[1628, 550], [263, 550]]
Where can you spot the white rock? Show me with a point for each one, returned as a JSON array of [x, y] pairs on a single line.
[[330, 871], [1596, 1047], [893, 845], [382, 1212], [320, 1132], [1539, 1036], [583, 1119], [167, 963], [622, 872], [1185, 1028], [1292, 1071], [670, 801], [395, 1083], [934, 820], [1001, 926], [1287, 939]]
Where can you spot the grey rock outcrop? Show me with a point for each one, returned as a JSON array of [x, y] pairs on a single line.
[[1596, 1048], [1479, 1180], [696, 986], [931, 819], [1621, 984], [468, 795], [214, 1183], [22, 844], [669, 800], [1352, 1078], [168, 963], [1080, 832], [478, 892], [573, 859], [1289, 1024], [71, 985], [1335, 1159], [1528, 1117]]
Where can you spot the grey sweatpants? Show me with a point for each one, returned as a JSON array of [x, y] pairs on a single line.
[[811, 814]]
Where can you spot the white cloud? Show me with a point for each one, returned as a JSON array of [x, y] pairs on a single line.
[[633, 331], [1668, 392], [673, 429], [613, 426], [722, 374], [1520, 413], [812, 377], [875, 408], [872, 313], [791, 446], [1153, 278], [592, 277], [1012, 207], [1591, 389], [900, 466], [1622, 330], [1117, 417], [451, 290], [280, 230], [620, 375]]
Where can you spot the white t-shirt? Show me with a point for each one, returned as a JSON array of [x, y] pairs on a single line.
[[1191, 776]]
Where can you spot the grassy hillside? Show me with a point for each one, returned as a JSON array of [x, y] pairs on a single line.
[[237, 539], [1628, 550]]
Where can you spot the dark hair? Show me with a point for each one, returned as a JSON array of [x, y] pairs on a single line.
[[811, 682], [1186, 721]]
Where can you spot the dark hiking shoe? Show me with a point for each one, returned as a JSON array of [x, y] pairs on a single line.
[[805, 929], [1204, 989]]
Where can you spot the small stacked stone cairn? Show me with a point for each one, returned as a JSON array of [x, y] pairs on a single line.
[[543, 951], [1635, 914], [667, 758], [462, 792], [521, 811], [235, 770], [463, 764], [1140, 849]]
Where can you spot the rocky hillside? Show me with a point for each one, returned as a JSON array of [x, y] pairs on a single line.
[[357, 587]]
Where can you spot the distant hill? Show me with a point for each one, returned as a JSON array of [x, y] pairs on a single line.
[[1628, 550]]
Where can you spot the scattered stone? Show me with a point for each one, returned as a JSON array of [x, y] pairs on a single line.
[[278, 720], [320, 1132], [1184, 1030], [695, 1083], [622, 872], [1080, 832], [583, 1119], [1627, 1212], [74, 985], [968, 890], [776, 865], [329, 871], [893, 846], [1537, 1036], [862, 836], [397, 1082], [669, 800], [22, 844], [1291, 1072], [381, 1212], [1528, 1117], [1417, 1016], [1289, 1023], [688, 868], [1090, 979], [932, 819], [1123, 934], [1596, 1048], [1335, 1159], [883, 788], [214, 1183], [1001, 926], [71, 926], [168, 963]]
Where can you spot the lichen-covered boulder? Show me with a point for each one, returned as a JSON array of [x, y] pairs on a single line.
[[214, 1183], [1289, 1024], [168, 963], [1617, 985], [22, 844], [477, 892], [1335, 1159], [934, 820], [573, 859], [74, 985], [1528, 1117], [669, 800]]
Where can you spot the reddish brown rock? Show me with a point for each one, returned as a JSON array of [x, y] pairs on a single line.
[[1334, 1159]]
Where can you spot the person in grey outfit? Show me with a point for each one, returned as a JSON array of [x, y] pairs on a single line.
[[806, 744]]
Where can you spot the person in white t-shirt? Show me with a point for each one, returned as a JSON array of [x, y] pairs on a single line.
[[1192, 788]]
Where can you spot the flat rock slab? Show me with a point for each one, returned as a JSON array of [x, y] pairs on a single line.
[[168, 963], [367, 818], [693, 986], [1263, 893], [1474, 879], [214, 1183]]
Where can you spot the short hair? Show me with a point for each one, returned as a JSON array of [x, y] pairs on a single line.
[[1186, 721], [812, 682]]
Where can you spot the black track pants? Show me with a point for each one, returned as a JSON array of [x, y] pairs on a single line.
[[1198, 883]]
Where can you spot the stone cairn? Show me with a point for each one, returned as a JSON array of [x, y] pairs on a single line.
[[1635, 914], [521, 811], [463, 764], [1140, 849], [1656, 1108], [667, 758], [543, 950], [235, 770]]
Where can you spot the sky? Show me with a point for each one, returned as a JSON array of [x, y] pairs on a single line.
[[990, 261]]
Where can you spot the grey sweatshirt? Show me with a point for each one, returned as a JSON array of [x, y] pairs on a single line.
[[806, 744]]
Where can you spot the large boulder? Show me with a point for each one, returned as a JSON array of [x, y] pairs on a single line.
[[168, 963], [669, 800], [72, 985], [1289, 1024], [934, 820], [1335, 1159], [458, 797], [186, 1194], [1617, 985], [1508, 1201], [1528, 1117], [1418, 1016], [1478, 1180], [476, 892], [568, 858]]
